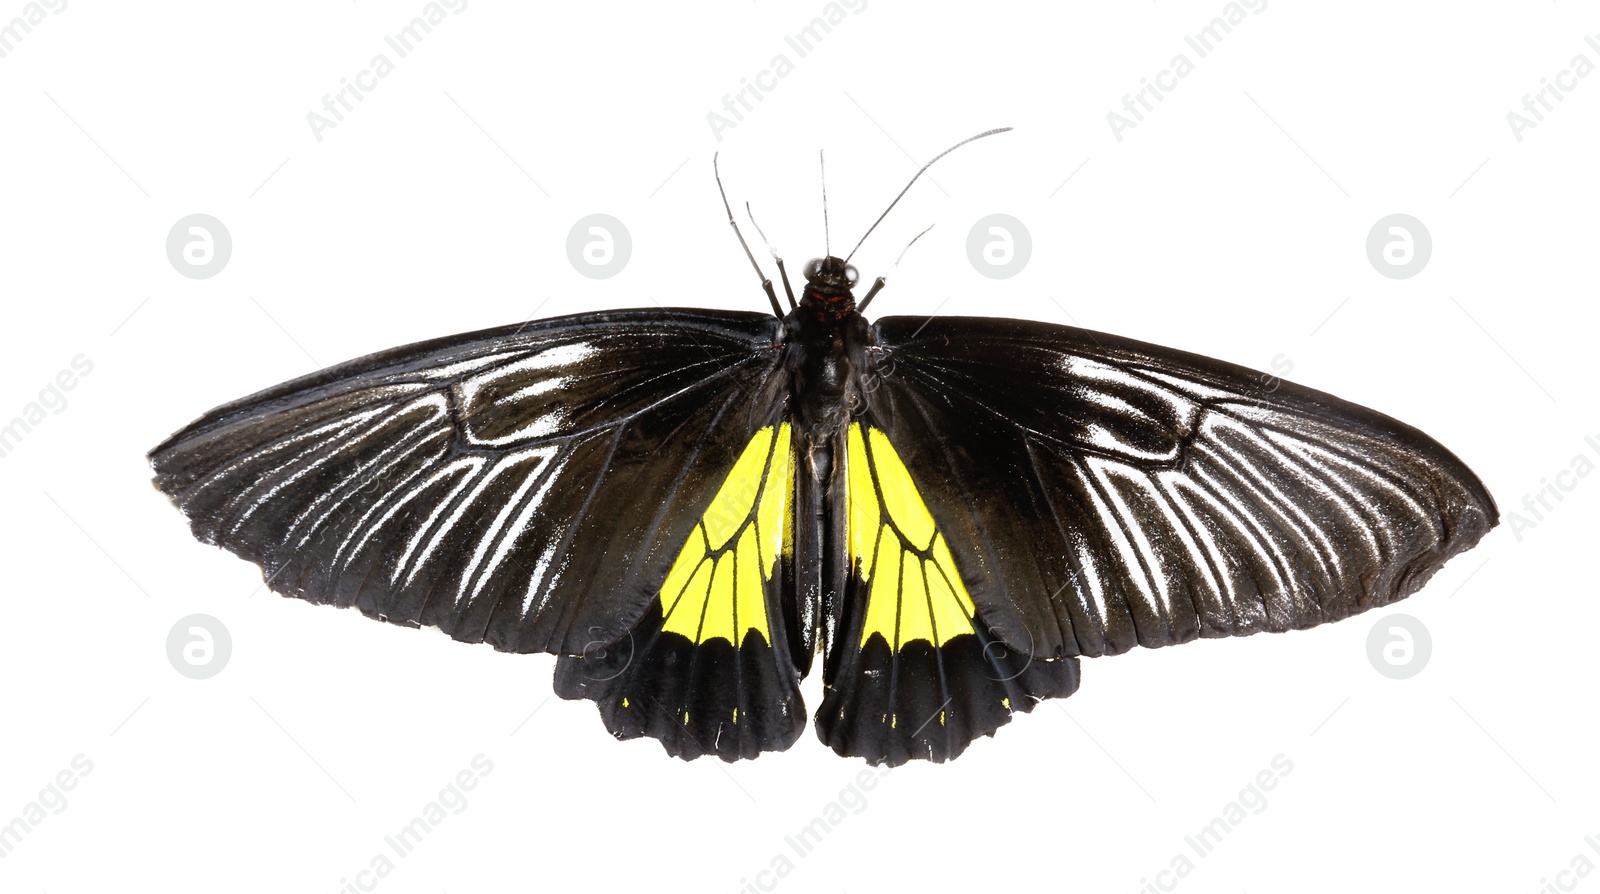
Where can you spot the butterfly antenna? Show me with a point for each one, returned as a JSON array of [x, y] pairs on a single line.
[[823, 167], [782, 273], [877, 285], [909, 244], [765, 282], [987, 133]]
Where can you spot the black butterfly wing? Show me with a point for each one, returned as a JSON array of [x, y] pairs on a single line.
[[528, 486], [1100, 493]]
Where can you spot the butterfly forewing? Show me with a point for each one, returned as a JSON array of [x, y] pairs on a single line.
[[1109, 493], [527, 486]]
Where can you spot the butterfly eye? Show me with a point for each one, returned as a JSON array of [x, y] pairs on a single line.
[[813, 268], [850, 275]]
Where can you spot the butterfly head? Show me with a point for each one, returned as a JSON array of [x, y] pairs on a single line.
[[828, 284]]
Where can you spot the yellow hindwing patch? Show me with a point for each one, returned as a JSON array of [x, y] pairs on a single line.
[[717, 585], [914, 591]]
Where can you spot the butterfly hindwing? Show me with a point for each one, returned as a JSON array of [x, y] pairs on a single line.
[[916, 672], [525, 486], [1116, 493], [709, 670]]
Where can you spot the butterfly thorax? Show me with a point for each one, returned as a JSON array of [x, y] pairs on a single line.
[[828, 344]]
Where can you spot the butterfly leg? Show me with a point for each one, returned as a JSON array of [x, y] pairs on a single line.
[[877, 286]]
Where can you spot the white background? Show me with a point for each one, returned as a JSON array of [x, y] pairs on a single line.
[[1232, 222]]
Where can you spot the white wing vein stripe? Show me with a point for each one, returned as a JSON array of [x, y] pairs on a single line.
[[337, 442], [1226, 591], [410, 562], [1141, 555], [1323, 457], [485, 480], [1108, 524], [1183, 526], [500, 535], [1278, 502], [396, 453], [1247, 525], [361, 528]]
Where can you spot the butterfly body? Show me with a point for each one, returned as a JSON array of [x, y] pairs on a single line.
[[827, 361]]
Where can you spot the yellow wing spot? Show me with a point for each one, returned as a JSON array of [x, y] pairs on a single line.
[[900, 496], [716, 587], [788, 500], [913, 589]]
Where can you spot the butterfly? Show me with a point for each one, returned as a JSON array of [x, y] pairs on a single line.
[[687, 506]]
